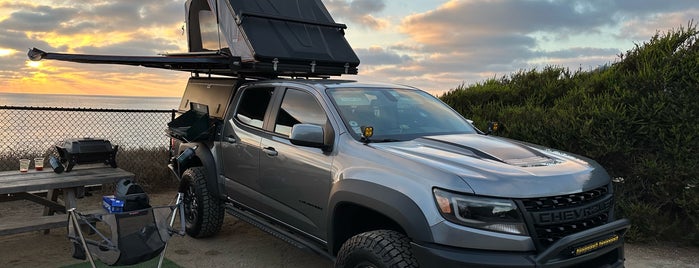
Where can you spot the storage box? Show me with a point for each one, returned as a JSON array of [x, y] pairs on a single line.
[[194, 125], [112, 204]]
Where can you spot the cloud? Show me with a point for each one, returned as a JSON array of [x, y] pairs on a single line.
[[359, 11], [642, 28], [488, 38], [380, 56], [38, 19], [643, 8], [92, 27], [97, 23], [579, 52]]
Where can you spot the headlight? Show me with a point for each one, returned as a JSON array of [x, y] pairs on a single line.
[[500, 215]]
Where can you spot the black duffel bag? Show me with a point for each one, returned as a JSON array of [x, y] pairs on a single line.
[[133, 195]]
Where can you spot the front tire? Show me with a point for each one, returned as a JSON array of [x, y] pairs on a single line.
[[203, 212], [380, 249]]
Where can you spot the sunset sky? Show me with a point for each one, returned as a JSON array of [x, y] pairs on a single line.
[[435, 45]]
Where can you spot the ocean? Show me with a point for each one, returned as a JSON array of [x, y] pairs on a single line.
[[89, 101], [35, 131]]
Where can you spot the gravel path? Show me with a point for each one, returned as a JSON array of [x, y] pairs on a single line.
[[240, 245]]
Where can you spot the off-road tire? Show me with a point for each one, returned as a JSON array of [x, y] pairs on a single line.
[[380, 248], [203, 212]]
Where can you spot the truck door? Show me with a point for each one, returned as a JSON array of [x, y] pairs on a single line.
[[240, 145], [296, 177]]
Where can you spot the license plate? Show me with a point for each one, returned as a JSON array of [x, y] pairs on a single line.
[[595, 245]]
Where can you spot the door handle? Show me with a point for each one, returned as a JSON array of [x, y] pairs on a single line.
[[230, 139], [270, 151]]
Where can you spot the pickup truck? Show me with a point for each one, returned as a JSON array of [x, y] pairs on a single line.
[[367, 175], [380, 175]]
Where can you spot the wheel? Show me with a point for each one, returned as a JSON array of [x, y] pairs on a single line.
[[380, 249], [203, 212], [78, 251]]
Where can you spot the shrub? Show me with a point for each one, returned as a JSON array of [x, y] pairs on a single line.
[[637, 117]]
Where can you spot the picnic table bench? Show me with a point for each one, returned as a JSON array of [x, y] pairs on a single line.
[[26, 185]]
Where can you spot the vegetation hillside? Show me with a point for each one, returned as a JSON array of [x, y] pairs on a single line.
[[638, 117]]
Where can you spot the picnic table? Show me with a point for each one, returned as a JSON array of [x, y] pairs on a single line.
[[70, 184]]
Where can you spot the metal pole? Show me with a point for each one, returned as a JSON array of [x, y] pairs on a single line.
[[178, 202], [76, 226]]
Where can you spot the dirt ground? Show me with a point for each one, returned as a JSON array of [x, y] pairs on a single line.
[[237, 245]]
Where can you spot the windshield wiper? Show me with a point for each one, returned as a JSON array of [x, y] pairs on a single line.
[[386, 140]]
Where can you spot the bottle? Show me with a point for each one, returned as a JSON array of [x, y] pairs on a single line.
[[55, 164], [186, 155]]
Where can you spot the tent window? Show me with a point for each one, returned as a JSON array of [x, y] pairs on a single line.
[[209, 30]]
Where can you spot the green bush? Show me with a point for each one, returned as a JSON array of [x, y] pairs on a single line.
[[637, 117]]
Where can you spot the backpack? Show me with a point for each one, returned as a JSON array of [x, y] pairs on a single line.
[[133, 195]]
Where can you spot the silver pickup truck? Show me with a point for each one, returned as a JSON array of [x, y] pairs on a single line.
[[367, 175], [379, 175]]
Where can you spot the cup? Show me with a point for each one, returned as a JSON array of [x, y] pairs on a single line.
[[39, 163], [24, 165]]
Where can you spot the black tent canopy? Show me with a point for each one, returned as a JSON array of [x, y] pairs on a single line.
[[255, 37]]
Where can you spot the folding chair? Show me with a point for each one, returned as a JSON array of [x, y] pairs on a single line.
[[125, 238]]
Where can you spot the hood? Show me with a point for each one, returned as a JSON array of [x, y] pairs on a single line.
[[500, 167]]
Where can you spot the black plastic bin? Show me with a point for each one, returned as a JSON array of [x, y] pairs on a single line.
[[192, 125]]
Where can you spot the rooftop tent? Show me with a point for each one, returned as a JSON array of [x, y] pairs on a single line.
[[299, 32], [251, 38]]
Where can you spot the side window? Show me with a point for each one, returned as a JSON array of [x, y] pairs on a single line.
[[209, 30], [253, 105], [298, 107]]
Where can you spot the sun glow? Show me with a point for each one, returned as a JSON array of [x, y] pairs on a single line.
[[6, 52], [33, 64], [83, 40]]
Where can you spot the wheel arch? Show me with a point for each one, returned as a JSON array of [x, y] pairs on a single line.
[[378, 207], [203, 157]]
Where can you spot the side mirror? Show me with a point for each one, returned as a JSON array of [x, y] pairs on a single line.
[[308, 135]]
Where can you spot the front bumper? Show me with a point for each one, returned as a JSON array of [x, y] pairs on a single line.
[[597, 252]]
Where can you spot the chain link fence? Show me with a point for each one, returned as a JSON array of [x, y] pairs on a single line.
[[29, 132]]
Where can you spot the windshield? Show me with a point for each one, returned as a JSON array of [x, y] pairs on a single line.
[[396, 114]]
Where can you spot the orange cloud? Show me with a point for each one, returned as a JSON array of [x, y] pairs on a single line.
[[54, 78], [80, 40]]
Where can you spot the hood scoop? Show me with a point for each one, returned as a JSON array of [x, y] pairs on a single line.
[[496, 149], [534, 161]]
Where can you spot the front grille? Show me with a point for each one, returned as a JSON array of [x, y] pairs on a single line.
[[564, 201], [548, 234], [567, 214]]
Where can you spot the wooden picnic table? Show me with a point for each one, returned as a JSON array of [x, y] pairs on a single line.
[[26, 185]]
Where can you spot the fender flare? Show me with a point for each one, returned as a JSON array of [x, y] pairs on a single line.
[[387, 201], [205, 158]]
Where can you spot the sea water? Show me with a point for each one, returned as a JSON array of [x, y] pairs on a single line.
[[89, 101]]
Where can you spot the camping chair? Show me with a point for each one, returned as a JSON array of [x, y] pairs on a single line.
[[133, 236]]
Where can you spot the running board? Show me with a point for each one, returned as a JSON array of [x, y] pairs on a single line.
[[277, 231]]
